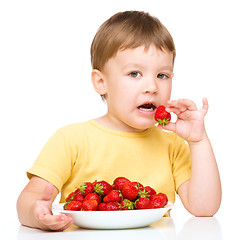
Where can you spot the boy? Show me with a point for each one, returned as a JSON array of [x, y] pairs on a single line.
[[132, 57]]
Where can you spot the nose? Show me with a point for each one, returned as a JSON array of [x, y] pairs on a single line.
[[150, 86]]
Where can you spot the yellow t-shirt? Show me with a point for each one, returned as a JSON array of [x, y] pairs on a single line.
[[89, 151]]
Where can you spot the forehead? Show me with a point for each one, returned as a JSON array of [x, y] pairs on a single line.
[[143, 56]]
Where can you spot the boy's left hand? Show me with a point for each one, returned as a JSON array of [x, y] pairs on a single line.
[[190, 121]]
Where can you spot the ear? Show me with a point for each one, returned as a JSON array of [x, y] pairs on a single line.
[[98, 81]]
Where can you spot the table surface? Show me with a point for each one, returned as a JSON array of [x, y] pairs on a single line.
[[181, 225]]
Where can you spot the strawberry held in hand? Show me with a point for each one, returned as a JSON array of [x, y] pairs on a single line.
[[162, 116]]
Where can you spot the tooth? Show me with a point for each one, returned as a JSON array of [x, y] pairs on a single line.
[[146, 109]]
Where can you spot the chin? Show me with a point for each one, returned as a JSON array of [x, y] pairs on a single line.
[[144, 125]]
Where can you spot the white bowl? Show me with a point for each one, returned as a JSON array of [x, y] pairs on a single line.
[[115, 219]]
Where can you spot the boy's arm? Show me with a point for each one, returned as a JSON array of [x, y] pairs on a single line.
[[201, 194], [34, 206]]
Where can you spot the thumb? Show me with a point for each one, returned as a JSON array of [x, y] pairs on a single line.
[[170, 127], [49, 190]]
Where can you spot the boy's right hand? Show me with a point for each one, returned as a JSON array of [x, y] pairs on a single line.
[[34, 206], [43, 214]]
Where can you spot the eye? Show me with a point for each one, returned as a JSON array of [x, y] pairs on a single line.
[[162, 76], [135, 74]]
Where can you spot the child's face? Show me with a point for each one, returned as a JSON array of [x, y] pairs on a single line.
[[137, 81]]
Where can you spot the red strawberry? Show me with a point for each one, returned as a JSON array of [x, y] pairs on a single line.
[[77, 190], [70, 196], [113, 196], [75, 196], [78, 197], [86, 188], [143, 203], [89, 205], [127, 205], [102, 188], [93, 196], [93, 183], [102, 207], [150, 190], [162, 116], [112, 206], [143, 194], [158, 200], [129, 191], [138, 185], [73, 206], [118, 183]]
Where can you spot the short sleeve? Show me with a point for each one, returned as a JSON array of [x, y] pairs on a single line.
[[181, 162], [54, 162]]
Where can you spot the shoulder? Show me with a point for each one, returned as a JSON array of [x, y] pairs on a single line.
[[170, 139], [75, 127], [75, 131]]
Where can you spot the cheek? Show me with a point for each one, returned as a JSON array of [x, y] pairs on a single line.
[[123, 96], [169, 90], [122, 89], [165, 91]]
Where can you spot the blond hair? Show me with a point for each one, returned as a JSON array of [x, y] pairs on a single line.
[[129, 29]]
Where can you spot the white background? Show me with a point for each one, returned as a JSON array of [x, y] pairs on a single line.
[[45, 77]]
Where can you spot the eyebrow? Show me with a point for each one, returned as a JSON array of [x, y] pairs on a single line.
[[167, 67], [132, 65]]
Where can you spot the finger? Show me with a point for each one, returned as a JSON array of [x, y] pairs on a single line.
[[187, 104], [60, 226], [181, 105], [170, 127], [185, 115], [56, 222], [48, 192], [172, 103], [42, 210], [173, 110], [67, 225], [48, 221], [204, 108]]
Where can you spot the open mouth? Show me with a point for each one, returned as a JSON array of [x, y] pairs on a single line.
[[148, 107]]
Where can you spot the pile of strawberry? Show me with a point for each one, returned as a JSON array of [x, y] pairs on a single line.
[[121, 195]]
